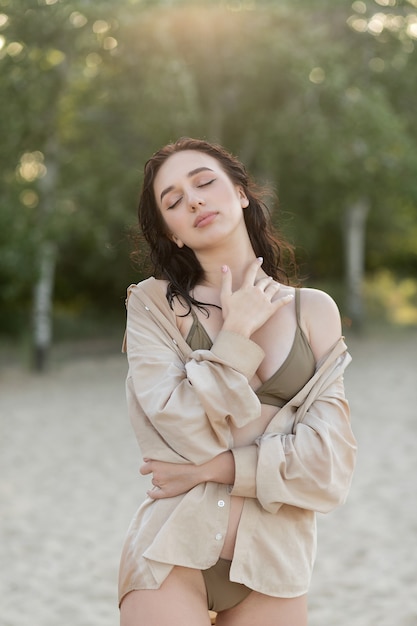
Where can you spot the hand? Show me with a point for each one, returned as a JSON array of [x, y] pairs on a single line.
[[249, 307], [170, 479]]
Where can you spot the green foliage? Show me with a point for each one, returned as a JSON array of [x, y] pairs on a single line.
[[392, 299], [317, 98]]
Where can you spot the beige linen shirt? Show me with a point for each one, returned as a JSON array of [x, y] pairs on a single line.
[[181, 404]]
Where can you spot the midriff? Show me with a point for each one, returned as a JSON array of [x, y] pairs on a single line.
[[243, 437]]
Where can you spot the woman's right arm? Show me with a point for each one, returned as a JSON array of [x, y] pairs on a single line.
[[192, 404], [189, 404]]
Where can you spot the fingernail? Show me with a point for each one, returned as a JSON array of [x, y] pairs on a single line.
[[224, 269]]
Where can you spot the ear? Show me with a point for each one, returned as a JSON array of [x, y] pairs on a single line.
[[176, 240], [244, 202]]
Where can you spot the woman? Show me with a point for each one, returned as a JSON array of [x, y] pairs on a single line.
[[235, 392]]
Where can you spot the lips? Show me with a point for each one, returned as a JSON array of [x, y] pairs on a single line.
[[204, 218]]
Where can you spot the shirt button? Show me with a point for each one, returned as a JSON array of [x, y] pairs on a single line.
[[219, 536], [220, 503], [146, 308]]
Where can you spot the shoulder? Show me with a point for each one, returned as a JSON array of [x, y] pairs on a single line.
[[317, 303], [320, 319], [150, 287], [150, 292]]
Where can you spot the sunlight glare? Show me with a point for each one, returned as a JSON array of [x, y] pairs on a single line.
[[359, 6], [55, 57], [394, 23], [376, 23], [110, 43], [412, 30], [14, 48], [358, 23], [317, 75], [29, 198], [78, 20], [31, 166], [377, 64], [100, 27]]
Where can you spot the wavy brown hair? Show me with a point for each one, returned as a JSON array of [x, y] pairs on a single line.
[[179, 266]]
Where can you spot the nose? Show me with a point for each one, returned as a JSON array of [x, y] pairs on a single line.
[[194, 199]]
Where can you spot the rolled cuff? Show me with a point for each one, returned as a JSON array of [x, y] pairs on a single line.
[[246, 460], [242, 354]]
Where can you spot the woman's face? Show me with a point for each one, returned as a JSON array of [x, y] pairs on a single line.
[[198, 201]]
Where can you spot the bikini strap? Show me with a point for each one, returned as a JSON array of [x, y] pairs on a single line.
[[297, 305]]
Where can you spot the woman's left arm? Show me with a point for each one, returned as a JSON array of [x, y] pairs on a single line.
[[310, 467], [173, 479]]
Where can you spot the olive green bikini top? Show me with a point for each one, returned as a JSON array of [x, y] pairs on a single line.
[[289, 379]]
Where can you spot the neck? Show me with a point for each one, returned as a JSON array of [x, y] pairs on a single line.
[[237, 258]]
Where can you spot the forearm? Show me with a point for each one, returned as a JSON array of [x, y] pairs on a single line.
[[221, 469], [172, 479]]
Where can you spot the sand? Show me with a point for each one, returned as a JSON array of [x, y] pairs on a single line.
[[69, 485]]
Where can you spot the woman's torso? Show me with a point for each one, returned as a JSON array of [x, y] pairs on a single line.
[[288, 364]]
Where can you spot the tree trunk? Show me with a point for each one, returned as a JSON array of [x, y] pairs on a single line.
[[44, 287], [42, 305], [355, 231]]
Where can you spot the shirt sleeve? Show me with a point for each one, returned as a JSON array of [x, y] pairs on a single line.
[[190, 403], [311, 467]]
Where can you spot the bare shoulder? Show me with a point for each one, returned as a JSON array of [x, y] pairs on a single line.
[[320, 318], [318, 303]]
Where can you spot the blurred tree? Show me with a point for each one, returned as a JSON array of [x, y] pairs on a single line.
[[299, 97], [316, 98], [49, 58]]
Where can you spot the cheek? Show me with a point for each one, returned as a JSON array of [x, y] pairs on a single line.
[[172, 222], [164, 224]]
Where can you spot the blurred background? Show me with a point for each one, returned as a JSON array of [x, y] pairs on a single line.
[[317, 97]]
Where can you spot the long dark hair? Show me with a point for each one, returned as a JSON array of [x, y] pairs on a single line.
[[179, 266]]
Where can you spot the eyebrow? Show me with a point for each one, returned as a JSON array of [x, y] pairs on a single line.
[[189, 175]]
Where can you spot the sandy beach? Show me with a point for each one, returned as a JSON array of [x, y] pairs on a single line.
[[69, 485]]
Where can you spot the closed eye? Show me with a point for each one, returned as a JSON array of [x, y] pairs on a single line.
[[172, 206], [207, 183]]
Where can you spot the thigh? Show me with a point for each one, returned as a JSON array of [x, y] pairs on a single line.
[[259, 609], [180, 601]]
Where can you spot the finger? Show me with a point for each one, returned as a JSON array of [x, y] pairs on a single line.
[[280, 302], [226, 286], [251, 272], [267, 281], [145, 468], [155, 493]]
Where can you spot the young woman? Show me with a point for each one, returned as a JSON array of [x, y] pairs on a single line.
[[235, 392]]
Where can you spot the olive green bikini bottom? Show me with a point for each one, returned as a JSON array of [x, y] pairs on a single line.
[[222, 593]]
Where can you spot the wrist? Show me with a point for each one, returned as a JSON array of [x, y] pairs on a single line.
[[221, 469], [236, 328]]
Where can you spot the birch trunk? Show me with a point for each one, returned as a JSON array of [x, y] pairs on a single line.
[[44, 287], [42, 305], [355, 232]]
